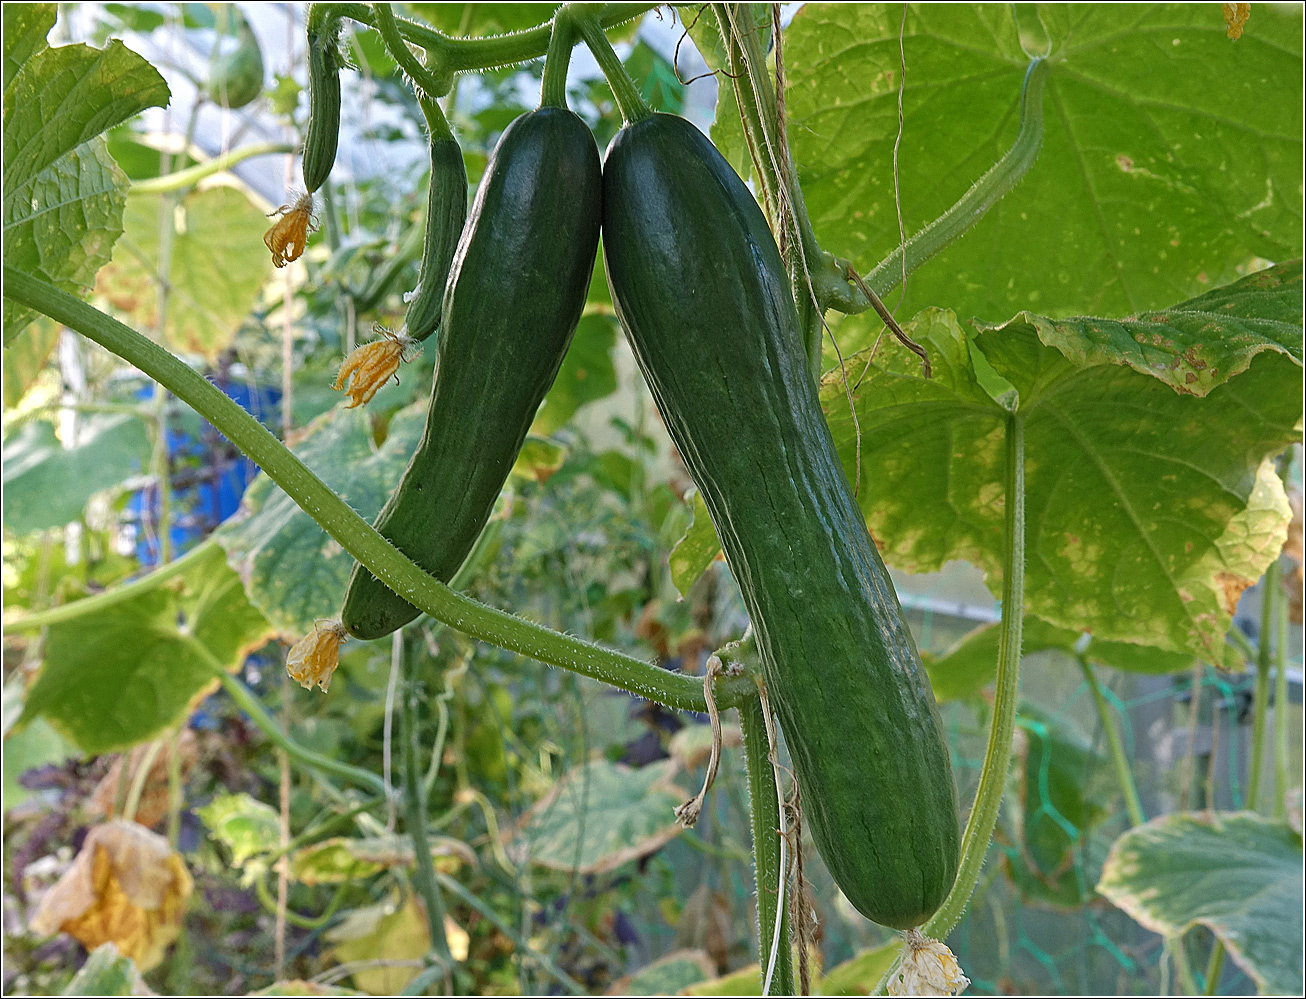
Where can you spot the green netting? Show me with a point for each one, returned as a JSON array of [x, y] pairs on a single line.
[[1034, 930]]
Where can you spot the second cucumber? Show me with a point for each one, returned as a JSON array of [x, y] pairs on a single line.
[[515, 295]]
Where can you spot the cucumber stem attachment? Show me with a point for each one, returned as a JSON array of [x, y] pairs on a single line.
[[424, 81], [553, 90], [630, 102], [997, 755]]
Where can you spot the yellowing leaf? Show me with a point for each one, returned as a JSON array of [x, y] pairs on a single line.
[[126, 887]]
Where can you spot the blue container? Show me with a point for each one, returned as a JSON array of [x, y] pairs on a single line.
[[209, 476]]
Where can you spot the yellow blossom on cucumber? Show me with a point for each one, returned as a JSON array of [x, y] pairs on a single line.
[[289, 234], [370, 366], [314, 658]]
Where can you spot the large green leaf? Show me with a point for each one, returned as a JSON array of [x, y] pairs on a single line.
[[1147, 510], [1237, 874], [47, 485], [1171, 154], [294, 573], [600, 816], [115, 677], [216, 267], [63, 194]]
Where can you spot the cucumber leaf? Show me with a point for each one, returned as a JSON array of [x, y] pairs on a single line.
[[117, 676], [1171, 154], [63, 194], [1235, 873]]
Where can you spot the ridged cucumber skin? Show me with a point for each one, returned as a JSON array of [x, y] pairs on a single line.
[[701, 291], [323, 133], [515, 294], [446, 214]]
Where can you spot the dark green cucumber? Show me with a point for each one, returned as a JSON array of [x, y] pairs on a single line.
[[446, 213], [702, 293], [515, 294], [323, 133]]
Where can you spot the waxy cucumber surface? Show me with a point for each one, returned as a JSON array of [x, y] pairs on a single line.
[[702, 293], [515, 294]]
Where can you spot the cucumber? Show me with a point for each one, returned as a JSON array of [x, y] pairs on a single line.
[[446, 213], [323, 133], [699, 287], [515, 294]]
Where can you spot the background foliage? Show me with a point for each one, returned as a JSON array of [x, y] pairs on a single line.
[[1138, 299]]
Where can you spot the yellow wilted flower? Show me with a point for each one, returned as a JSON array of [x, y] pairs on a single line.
[[928, 968], [126, 887], [370, 366], [1235, 16], [314, 658], [289, 234]]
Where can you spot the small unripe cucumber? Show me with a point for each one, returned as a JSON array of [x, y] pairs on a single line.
[[323, 109], [446, 213], [515, 294], [701, 291]]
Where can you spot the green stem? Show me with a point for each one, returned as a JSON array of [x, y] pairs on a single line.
[[765, 809], [415, 818], [1118, 758], [294, 918], [456, 55], [553, 89], [1282, 746], [426, 83], [833, 287], [1214, 967], [353, 533], [630, 102], [193, 175], [102, 601], [997, 755], [1261, 695], [1183, 969]]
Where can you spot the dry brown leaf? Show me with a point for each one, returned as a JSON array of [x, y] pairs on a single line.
[[126, 887]]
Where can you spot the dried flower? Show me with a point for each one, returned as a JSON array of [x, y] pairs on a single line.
[[928, 968], [126, 887], [370, 366], [1235, 16], [289, 234], [314, 658]]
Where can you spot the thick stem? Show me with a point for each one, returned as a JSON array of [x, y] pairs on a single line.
[[353, 533], [1261, 694], [997, 755], [1118, 758], [553, 89], [767, 873], [425, 82], [182, 179], [630, 102], [456, 55], [833, 288]]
